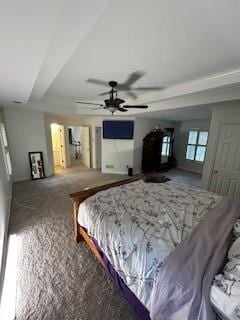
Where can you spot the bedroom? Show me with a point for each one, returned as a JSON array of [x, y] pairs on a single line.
[[179, 60]]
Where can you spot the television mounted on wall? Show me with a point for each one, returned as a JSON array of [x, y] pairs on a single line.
[[113, 129]]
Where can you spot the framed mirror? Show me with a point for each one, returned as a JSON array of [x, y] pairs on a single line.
[[36, 165]]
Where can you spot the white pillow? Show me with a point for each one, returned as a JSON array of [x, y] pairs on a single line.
[[236, 229], [225, 291]]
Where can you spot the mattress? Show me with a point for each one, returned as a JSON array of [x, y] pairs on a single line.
[[137, 225]]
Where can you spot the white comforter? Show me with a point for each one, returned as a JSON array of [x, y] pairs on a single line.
[[137, 225]]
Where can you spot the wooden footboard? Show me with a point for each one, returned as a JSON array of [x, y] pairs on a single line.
[[77, 198]]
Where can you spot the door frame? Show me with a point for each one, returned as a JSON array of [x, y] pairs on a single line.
[[96, 148], [63, 146], [90, 142], [62, 136]]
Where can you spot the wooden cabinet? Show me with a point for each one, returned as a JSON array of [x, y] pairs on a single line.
[[158, 150]]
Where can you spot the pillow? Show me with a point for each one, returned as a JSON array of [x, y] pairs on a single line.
[[236, 229], [225, 292], [155, 178]]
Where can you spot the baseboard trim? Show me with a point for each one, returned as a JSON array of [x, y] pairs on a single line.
[[187, 169], [116, 172], [22, 179]]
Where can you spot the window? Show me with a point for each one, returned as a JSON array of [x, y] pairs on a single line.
[[197, 144], [166, 146], [4, 144]]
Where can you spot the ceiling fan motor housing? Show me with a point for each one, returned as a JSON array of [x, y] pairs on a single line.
[[113, 84], [113, 102]]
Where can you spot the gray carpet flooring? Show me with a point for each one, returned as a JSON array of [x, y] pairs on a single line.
[[58, 278]]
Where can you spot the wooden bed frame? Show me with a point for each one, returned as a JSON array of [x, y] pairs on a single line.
[[77, 198]]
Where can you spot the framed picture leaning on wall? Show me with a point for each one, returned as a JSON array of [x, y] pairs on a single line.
[[36, 165]]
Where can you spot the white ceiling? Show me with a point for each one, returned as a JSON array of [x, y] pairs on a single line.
[[181, 114], [49, 49]]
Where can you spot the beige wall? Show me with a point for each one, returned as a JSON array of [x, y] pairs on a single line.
[[26, 133]]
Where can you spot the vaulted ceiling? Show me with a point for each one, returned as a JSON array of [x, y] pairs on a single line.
[[50, 49]]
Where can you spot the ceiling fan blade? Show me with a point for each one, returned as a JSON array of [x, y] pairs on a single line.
[[100, 108], [133, 77], [99, 82], [86, 109], [148, 88], [122, 109], [138, 107], [93, 104], [132, 95], [103, 93]]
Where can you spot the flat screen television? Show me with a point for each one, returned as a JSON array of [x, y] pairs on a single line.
[[118, 129]]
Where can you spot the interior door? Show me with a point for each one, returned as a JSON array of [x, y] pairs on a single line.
[[85, 143], [226, 172]]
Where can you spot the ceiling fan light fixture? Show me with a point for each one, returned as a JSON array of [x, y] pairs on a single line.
[[112, 109]]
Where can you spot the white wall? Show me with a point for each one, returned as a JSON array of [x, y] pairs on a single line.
[[5, 198], [117, 153], [181, 131], [229, 113], [26, 132]]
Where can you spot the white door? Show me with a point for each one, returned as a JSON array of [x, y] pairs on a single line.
[[226, 172], [56, 145], [85, 143], [98, 147]]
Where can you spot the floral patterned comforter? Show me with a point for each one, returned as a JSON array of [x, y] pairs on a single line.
[[137, 225]]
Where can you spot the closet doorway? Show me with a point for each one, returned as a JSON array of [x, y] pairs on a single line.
[[58, 146]]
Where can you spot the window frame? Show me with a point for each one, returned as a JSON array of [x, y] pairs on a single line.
[[196, 145], [168, 146], [5, 149]]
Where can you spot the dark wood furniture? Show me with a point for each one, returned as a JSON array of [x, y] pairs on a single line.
[[77, 198], [158, 150]]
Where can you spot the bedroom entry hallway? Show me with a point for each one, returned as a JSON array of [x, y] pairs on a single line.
[[58, 279], [79, 145]]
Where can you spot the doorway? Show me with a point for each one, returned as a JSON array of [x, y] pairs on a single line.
[[58, 146], [79, 145]]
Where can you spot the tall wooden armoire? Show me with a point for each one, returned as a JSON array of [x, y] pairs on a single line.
[[158, 150]]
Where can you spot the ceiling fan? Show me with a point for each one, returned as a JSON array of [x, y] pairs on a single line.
[[127, 86], [113, 104]]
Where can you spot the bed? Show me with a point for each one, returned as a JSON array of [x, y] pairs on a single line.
[[133, 227]]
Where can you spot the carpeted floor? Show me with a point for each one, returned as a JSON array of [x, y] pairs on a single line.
[[58, 278]]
